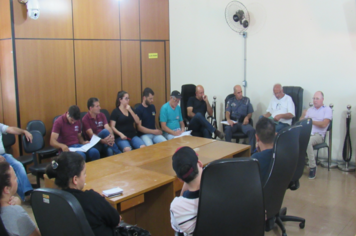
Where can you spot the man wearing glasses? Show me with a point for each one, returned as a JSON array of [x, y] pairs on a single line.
[[171, 117], [281, 108], [321, 116]]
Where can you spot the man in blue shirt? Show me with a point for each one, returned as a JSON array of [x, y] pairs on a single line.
[[147, 129], [265, 132], [171, 117]]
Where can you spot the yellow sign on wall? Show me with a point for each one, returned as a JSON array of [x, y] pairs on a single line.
[[152, 55]]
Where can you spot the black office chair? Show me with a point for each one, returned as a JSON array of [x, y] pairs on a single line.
[[304, 136], [231, 199], [45, 152], [58, 213], [8, 140], [282, 168], [106, 113], [55, 118], [238, 135], [296, 94], [136, 105], [324, 145], [37, 143], [82, 114]]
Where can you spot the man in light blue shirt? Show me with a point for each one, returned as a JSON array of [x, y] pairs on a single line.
[[171, 117]]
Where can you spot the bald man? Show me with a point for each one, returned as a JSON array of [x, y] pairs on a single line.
[[321, 116], [196, 109], [281, 108], [238, 112]]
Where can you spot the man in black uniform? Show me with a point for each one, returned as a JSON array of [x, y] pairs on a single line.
[[196, 109], [238, 112]]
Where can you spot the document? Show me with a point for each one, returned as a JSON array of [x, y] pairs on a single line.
[[94, 140], [186, 133], [113, 192], [271, 118], [225, 122]]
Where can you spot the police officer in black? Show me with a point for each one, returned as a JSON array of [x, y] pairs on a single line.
[[239, 109]]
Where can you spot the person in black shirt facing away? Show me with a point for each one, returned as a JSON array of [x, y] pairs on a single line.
[[70, 172], [196, 108], [122, 121]]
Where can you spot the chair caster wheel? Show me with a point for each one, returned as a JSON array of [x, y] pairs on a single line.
[[302, 225]]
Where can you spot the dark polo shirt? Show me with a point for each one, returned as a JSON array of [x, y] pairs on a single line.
[[68, 133], [96, 125]]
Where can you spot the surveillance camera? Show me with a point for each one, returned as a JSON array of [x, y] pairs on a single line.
[[33, 9]]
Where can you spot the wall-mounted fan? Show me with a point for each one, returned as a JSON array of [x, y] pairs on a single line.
[[238, 19]]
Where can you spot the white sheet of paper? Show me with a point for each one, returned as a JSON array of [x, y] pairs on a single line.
[[225, 122], [113, 192], [94, 140], [186, 133]]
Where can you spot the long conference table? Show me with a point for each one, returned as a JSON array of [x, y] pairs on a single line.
[[148, 180]]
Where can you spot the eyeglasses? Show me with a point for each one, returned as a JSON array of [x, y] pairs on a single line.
[[127, 98]]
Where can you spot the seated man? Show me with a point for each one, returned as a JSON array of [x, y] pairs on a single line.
[[265, 133], [239, 109], [24, 189], [67, 132], [171, 117], [321, 116], [184, 208], [196, 108], [94, 122], [281, 108], [148, 130]]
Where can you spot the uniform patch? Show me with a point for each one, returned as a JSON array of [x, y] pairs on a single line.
[[153, 113], [76, 128]]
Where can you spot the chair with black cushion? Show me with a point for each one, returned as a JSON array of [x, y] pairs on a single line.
[[238, 135], [324, 145], [45, 152], [231, 199], [82, 114], [136, 105], [296, 94], [8, 140], [55, 118], [304, 136], [58, 213], [33, 147], [106, 113], [282, 168]]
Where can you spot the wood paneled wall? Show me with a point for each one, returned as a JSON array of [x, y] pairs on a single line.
[[79, 49]]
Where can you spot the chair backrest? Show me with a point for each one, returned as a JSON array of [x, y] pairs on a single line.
[[231, 199], [106, 113], [36, 125], [55, 118], [296, 94], [82, 114], [8, 140], [188, 90], [58, 213], [136, 105], [37, 142], [304, 136], [283, 165]]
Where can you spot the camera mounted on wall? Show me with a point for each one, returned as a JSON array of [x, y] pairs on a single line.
[[33, 8]]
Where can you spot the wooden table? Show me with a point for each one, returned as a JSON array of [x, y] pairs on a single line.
[[148, 180]]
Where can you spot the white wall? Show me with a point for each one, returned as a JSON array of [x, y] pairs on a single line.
[[304, 43]]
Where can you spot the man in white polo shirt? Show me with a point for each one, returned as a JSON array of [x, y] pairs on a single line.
[[321, 116], [281, 108]]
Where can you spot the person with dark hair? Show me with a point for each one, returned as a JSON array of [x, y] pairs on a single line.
[[146, 111], [197, 107], [14, 220], [67, 132], [171, 117], [122, 121], [265, 133], [69, 171], [184, 208], [24, 188], [321, 116], [238, 113], [94, 122]]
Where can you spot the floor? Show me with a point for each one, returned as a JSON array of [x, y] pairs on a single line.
[[328, 203]]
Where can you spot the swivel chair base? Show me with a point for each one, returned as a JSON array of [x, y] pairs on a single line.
[[284, 218], [346, 167]]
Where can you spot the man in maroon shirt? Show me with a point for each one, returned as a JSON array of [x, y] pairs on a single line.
[[67, 132], [94, 122]]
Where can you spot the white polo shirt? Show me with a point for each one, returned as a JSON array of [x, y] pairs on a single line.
[[282, 106]]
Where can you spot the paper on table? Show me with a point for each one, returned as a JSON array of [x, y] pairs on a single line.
[[186, 133], [226, 123], [94, 140], [113, 192]]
